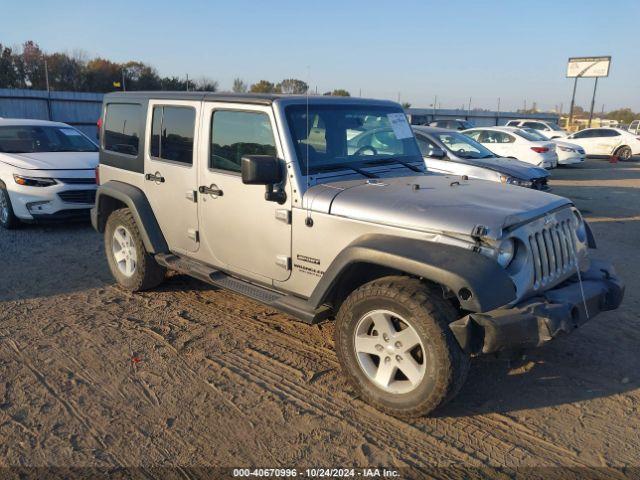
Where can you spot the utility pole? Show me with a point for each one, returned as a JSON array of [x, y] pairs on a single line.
[[469, 110], [46, 80], [573, 101], [593, 100], [124, 87], [187, 82], [435, 102], [498, 113]]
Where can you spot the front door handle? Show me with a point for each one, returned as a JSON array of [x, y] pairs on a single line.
[[154, 177], [211, 190]]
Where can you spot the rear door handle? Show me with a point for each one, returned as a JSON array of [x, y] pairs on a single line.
[[211, 190], [154, 177]]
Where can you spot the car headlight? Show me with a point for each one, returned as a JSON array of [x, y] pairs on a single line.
[[581, 229], [566, 149], [506, 252], [515, 181], [33, 181]]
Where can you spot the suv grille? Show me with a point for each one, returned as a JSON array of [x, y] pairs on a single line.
[[78, 181], [554, 253], [78, 196]]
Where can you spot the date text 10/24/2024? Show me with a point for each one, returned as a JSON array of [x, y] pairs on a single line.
[[317, 472]]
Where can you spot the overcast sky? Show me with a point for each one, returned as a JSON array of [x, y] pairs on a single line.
[[515, 50]]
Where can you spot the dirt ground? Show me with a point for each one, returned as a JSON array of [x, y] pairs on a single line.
[[93, 376]]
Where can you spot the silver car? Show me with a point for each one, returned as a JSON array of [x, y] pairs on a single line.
[[450, 152]]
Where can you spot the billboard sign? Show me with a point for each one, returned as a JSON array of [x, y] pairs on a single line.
[[588, 67]]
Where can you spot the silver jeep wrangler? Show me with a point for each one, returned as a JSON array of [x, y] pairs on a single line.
[[320, 207]]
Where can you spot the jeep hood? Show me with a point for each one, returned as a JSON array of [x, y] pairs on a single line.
[[52, 160], [432, 203]]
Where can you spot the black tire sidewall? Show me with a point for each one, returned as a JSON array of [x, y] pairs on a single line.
[[437, 356], [123, 218], [624, 149], [12, 220]]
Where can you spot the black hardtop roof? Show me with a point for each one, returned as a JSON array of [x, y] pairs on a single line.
[[252, 98]]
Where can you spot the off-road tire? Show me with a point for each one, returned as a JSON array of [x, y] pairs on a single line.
[[624, 153], [148, 273], [429, 314], [11, 221]]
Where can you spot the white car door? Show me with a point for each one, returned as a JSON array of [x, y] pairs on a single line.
[[585, 139]]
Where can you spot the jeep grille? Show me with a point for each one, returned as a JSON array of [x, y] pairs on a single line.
[[554, 253]]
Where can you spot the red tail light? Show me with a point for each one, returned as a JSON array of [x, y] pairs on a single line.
[[540, 149], [98, 175], [99, 125]]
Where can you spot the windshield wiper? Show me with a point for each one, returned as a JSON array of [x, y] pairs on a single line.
[[344, 166], [395, 160]]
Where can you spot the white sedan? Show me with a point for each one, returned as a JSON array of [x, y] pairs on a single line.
[[512, 142], [47, 171], [568, 153], [607, 141]]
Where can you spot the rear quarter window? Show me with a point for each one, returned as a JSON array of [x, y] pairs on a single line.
[[122, 128]]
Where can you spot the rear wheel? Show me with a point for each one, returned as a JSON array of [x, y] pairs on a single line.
[[395, 346], [623, 153], [130, 263], [8, 219]]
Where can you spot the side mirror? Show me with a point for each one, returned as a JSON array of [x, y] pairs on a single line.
[[263, 170], [437, 153]]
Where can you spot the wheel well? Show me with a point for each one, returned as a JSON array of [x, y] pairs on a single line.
[[106, 206], [357, 274], [620, 147]]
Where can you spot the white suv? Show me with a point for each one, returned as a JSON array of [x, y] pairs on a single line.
[[548, 129], [47, 171]]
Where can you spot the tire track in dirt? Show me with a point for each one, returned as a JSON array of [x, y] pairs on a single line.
[[492, 435], [68, 406]]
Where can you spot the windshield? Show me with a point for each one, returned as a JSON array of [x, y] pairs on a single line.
[[463, 146], [466, 125], [348, 136], [35, 139], [534, 133], [554, 126]]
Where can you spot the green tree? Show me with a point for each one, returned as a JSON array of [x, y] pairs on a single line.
[[340, 92], [623, 115], [205, 84], [406, 105], [239, 86], [31, 66], [9, 75], [263, 86], [292, 86]]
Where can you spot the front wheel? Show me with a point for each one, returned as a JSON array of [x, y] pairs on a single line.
[[623, 153], [395, 346], [8, 219], [130, 263]]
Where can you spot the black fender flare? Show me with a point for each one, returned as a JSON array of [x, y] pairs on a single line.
[[137, 202], [479, 283]]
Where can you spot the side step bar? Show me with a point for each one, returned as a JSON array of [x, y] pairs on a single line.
[[290, 304]]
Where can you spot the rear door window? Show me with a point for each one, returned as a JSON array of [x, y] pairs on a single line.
[[172, 131], [122, 128]]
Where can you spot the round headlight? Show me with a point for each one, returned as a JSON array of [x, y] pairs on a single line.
[[506, 251]]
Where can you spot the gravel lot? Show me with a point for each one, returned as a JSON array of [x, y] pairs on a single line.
[[92, 376]]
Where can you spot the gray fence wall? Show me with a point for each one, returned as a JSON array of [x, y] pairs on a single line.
[[481, 118], [79, 109], [82, 110]]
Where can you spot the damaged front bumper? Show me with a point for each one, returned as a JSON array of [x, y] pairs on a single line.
[[537, 320]]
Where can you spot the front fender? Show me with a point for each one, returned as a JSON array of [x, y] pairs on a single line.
[[478, 282]]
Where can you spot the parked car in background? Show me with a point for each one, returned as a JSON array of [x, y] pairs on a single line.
[[548, 129], [452, 152], [514, 142], [47, 171], [568, 153], [452, 124], [607, 141], [634, 127]]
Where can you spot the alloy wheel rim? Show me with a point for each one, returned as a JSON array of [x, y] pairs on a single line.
[[625, 154], [4, 208], [124, 251], [389, 351]]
